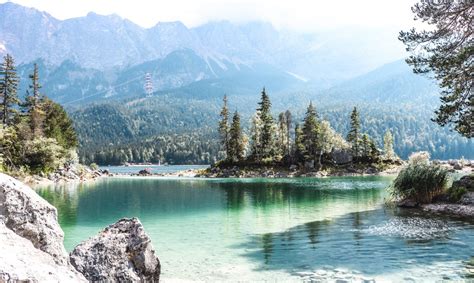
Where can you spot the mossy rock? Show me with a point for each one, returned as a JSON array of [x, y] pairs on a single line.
[[466, 182]]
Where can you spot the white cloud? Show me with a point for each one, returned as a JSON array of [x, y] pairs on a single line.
[[307, 15]]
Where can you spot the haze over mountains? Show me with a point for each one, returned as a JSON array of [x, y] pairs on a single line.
[[99, 52]]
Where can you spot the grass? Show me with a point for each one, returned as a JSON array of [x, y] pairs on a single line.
[[420, 182]]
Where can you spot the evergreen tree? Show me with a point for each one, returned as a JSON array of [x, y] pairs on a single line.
[[33, 104], [224, 126], [353, 136], [374, 151], [365, 146], [282, 134], [299, 144], [255, 137], [267, 134], [288, 119], [58, 125], [445, 50], [236, 142], [8, 90], [389, 153], [310, 133]]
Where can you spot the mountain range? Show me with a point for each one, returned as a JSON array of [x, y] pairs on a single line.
[[101, 53]]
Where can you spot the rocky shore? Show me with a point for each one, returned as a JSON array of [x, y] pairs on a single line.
[[32, 250]]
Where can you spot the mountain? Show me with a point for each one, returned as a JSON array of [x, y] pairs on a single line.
[[111, 44]]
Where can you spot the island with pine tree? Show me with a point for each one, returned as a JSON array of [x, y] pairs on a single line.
[[273, 148]]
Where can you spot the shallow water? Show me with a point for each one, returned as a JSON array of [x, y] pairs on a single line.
[[272, 230], [155, 169]]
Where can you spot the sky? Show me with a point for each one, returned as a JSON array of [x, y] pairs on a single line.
[[299, 15]]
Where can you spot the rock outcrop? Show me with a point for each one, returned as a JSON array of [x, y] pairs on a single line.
[[32, 250], [31, 217], [122, 252], [31, 240], [20, 261]]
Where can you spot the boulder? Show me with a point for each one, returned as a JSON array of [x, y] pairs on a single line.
[[145, 172], [466, 182], [31, 217], [341, 156], [20, 261], [122, 252], [407, 203]]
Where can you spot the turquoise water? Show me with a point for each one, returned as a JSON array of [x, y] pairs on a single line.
[[155, 169], [272, 230]]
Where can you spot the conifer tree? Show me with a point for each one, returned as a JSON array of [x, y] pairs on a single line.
[[33, 104], [288, 129], [365, 146], [353, 137], [374, 151], [236, 143], [224, 126], [389, 153], [310, 133], [255, 136], [8, 90], [267, 133], [58, 125], [299, 144], [282, 133]]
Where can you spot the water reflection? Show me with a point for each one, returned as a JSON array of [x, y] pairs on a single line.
[[371, 242]]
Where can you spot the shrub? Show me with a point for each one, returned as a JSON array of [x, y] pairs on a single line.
[[420, 182], [419, 158], [43, 155], [94, 166], [455, 193]]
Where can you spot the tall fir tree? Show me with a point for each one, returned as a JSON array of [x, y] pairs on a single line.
[[299, 147], [365, 146], [236, 142], [58, 125], [288, 131], [389, 153], [353, 137], [282, 134], [33, 104], [267, 134], [224, 126], [8, 90], [310, 133], [255, 137]]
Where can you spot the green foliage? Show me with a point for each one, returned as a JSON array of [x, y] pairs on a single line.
[[267, 134], [94, 166], [224, 127], [43, 155], [236, 142], [455, 193], [389, 153], [310, 133], [58, 125], [353, 136], [8, 90], [420, 182], [446, 50]]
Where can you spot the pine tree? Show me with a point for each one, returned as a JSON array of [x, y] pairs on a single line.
[[236, 143], [353, 136], [8, 90], [374, 151], [310, 133], [389, 153], [58, 125], [299, 144], [224, 126], [255, 137], [282, 134], [365, 146], [33, 104], [288, 129], [267, 139]]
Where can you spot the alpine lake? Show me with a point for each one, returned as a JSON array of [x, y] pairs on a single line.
[[299, 229]]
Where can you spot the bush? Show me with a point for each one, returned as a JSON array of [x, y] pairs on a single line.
[[420, 182], [94, 166], [43, 155], [419, 158], [455, 193]]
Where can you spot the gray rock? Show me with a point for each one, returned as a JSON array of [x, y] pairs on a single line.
[[341, 156], [31, 217], [466, 182], [121, 252], [407, 203], [20, 261]]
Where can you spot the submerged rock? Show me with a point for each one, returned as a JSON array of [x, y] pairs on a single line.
[[121, 252], [31, 217]]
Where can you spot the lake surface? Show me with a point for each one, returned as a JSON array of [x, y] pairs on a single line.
[[272, 230], [155, 169]]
